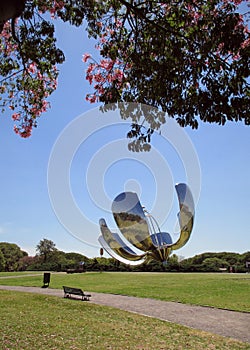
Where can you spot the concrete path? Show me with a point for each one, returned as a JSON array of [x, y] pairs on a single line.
[[222, 322]]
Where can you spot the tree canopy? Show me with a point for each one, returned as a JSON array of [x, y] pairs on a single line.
[[188, 58], [45, 247], [12, 258], [10, 253]]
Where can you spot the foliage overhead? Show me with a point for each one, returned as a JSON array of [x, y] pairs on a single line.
[[188, 58]]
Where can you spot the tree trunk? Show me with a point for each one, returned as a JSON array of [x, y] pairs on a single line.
[[10, 9]]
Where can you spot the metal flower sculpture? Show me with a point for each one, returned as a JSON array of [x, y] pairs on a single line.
[[143, 239]]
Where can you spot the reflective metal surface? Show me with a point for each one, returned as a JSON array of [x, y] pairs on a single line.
[[131, 220], [185, 216], [114, 244], [141, 230]]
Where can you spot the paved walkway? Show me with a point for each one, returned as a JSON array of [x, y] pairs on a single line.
[[223, 322]]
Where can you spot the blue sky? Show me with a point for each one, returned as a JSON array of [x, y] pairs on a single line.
[[27, 216]]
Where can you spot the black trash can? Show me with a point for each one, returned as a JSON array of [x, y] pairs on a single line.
[[46, 279]]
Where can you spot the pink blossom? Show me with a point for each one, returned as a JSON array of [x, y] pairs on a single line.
[[98, 78], [236, 57], [56, 5], [118, 75], [91, 98], [221, 46], [103, 39], [245, 43], [99, 89], [85, 57], [16, 130], [109, 95], [89, 78], [32, 68], [106, 64], [16, 116], [118, 23], [90, 68], [27, 131]]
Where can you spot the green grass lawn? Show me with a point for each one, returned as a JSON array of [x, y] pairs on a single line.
[[33, 321], [227, 291], [11, 274]]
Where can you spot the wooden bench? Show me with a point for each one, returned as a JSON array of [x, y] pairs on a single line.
[[69, 291]]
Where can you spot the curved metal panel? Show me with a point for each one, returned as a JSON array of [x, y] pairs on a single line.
[[116, 256], [116, 245], [185, 216], [161, 239], [130, 218]]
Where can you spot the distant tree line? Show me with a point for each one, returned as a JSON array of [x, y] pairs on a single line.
[[49, 258]]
